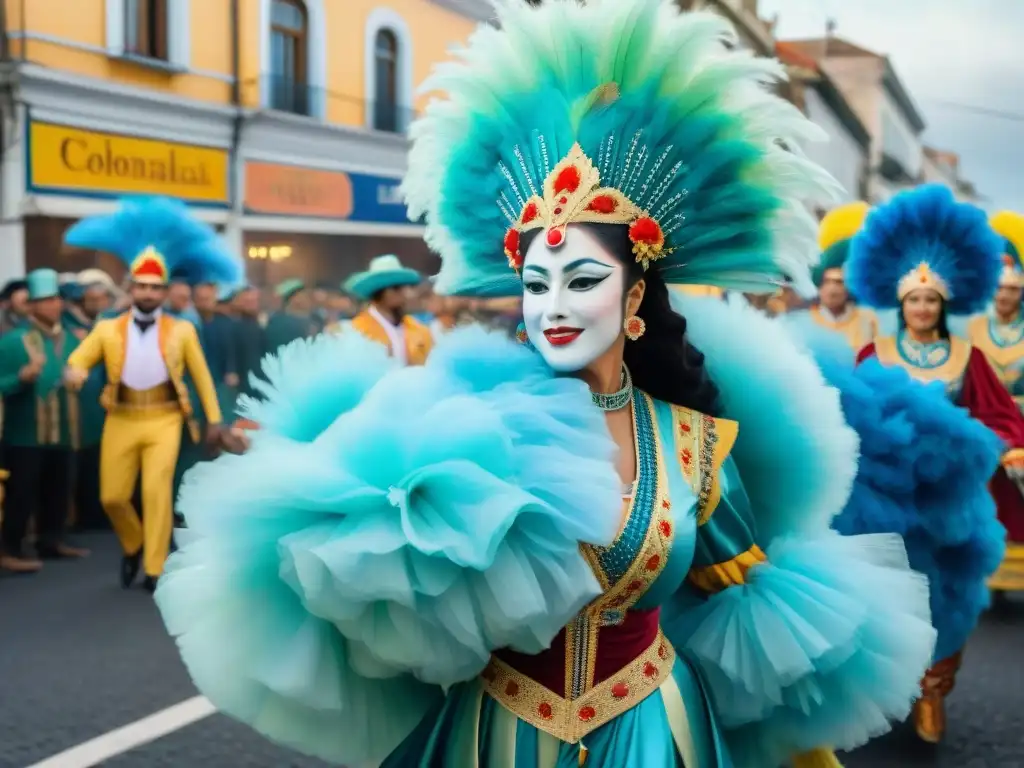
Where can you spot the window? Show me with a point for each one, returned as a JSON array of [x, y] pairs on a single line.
[[145, 29], [288, 56], [385, 107]]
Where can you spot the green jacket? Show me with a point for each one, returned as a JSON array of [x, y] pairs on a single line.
[[42, 412], [92, 414]]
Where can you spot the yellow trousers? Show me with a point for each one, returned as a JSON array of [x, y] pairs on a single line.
[[147, 443]]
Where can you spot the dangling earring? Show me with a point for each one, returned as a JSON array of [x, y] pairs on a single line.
[[634, 327], [521, 336]]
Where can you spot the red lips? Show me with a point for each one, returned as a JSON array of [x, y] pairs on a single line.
[[559, 337]]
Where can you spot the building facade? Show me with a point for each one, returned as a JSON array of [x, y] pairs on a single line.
[[754, 33], [283, 122], [871, 87], [846, 153]]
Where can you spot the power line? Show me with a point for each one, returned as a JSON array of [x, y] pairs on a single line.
[[1016, 117]]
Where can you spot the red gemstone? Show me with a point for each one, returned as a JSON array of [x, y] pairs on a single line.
[[663, 651], [603, 204], [665, 527], [555, 237], [512, 689], [544, 710], [686, 456], [587, 713], [558, 210], [635, 585], [620, 690], [666, 504], [653, 562], [650, 670], [684, 427], [563, 200], [529, 213], [568, 179]]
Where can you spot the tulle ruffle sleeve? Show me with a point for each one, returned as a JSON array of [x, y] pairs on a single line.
[[809, 641], [388, 529], [816, 641]]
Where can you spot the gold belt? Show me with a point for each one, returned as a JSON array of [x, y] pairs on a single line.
[[161, 394], [571, 720]]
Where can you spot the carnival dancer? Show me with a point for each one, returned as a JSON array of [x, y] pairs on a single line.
[[926, 255], [146, 355], [1000, 335], [433, 571], [81, 313], [385, 286], [834, 308], [40, 429]]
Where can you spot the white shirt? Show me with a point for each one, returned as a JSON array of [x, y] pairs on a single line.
[[395, 334], [144, 366]]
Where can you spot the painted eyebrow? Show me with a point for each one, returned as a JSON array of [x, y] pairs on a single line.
[[535, 268], [580, 262]]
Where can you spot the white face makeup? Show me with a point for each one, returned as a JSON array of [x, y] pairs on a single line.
[[572, 299]]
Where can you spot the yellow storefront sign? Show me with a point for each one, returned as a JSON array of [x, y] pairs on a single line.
[[75, 160]]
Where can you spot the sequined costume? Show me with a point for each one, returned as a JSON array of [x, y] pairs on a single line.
[[437, 565], [1003, 345], [924, 239]]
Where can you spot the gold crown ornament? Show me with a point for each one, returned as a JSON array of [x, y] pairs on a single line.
[[922, 276], [150, 267], [572, 194]]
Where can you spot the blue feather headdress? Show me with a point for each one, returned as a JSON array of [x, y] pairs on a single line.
[[157, 238], [616, 111], [924, 238]]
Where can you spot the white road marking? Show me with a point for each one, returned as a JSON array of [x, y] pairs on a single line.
[[128, 737]]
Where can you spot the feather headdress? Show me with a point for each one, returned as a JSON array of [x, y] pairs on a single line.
[[924, 238], [157, 238], [834, 235], [616, 111], [1010, 227]]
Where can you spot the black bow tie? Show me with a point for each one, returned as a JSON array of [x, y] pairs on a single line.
[[143, 325]]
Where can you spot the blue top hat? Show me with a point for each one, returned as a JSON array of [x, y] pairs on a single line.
[[43, 284], [383, 272]]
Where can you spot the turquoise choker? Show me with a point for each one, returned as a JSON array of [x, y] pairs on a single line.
[[616, 400]]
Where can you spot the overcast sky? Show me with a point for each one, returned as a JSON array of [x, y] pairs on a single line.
[[944, 51]]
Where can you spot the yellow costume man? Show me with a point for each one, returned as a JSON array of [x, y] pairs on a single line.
[[146, 355], [385, 287], [834, 308]]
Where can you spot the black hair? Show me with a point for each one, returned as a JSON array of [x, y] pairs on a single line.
[[662, 361], [943, 326]]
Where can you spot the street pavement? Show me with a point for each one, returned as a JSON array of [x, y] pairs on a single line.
[[80, 657]]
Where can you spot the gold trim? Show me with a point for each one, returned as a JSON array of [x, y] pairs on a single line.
[[161, 394], [1010, 576], [569, 720], [887, 352], [859, 328], [582, 635], [702, 445], [731, 573], [1001, 358]]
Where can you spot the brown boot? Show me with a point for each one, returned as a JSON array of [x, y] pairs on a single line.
[[13, 564], [930, 710]]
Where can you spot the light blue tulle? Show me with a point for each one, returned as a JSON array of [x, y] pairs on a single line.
[[923, 473], [795, 452], [394, 530], [824, 645]]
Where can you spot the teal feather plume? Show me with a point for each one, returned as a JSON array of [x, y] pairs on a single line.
[[191, 249], [693, 136]]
